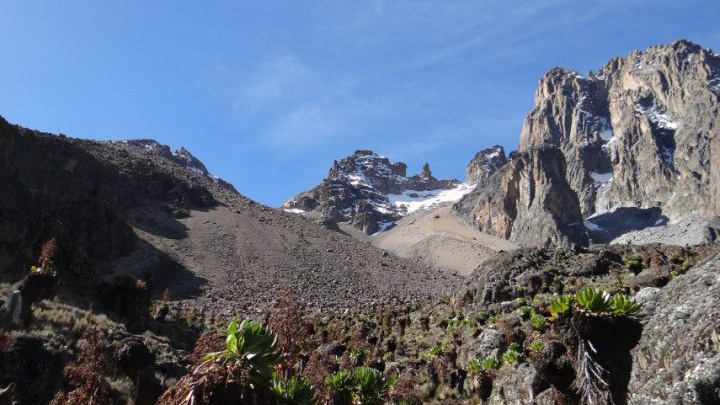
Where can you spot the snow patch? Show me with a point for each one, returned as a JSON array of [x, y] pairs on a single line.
[[601, 178], [591, 226], [384, 226], [411, 200], [657, 116], [295, 211], [607, 133]]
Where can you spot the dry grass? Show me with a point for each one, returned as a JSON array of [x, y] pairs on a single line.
[[62, 318], [405, 390], [286, 321], [84, 378], [207, 343]]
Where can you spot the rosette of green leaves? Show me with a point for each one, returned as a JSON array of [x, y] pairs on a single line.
[[560, 305], [252, 344], [593, 300], [623, 305], [293, 391]]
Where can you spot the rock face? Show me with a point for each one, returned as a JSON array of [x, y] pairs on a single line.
[[485, 163], [358, 191], [528, 201], [642, 132], [677, 360]]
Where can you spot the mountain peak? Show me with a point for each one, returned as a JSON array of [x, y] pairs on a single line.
[[485, 163], [370, 192]]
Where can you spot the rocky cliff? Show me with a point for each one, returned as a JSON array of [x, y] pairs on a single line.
[[527, 201], [369, 192], [642, 132]]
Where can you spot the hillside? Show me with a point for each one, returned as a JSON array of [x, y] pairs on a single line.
[[136, 207]]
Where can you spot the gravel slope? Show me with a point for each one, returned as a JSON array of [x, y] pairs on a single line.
[[440, 239], [190, 233]]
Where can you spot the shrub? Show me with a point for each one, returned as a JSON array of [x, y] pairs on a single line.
[[286, 321], [593, 300], [85, 376], [434, 351], [524, 311], [242, 373], [686, 265], [340, 384], [364, 385], [358, 356], [634, 263], [405, 391], [474, 367], [537, 346], [623, 305], [370, 386]]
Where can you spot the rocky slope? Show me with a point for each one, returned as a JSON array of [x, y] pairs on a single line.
[[440, 239], [642, 132], [369, 192], [136, 207], [677, 360]]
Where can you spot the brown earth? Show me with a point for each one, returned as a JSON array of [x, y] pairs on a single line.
[[212, 248], [440, 239]]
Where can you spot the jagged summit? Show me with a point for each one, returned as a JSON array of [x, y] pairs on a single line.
[[485, 163], [640, 133], [369, 192]]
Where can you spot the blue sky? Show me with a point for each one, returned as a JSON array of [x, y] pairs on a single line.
[[268, 93]]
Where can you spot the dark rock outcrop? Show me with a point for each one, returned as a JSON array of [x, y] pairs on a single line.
[[31, 368], [528, 201], [16, 313], [78, 191]]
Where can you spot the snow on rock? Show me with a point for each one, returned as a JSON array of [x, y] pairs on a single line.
[[410, 200], [601, 178], [362, 189], [295, 211], [485, 163], [657, 116]]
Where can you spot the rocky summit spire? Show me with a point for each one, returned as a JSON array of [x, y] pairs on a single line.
[[642, 132], [426, 173], [485, 163]]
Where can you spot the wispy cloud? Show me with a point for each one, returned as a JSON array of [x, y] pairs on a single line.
[[282, 76], [369, 66]]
